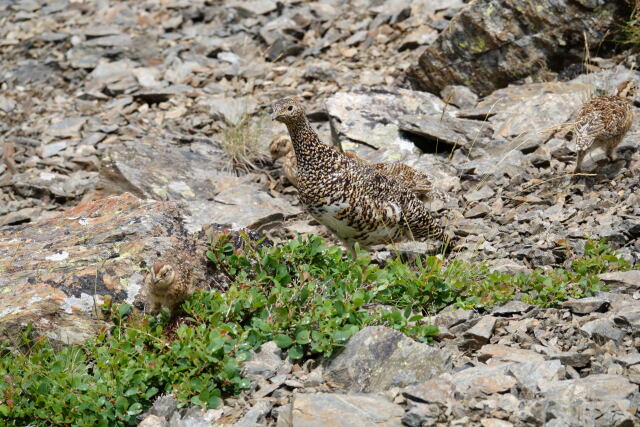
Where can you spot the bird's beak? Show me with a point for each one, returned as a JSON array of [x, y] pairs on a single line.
[[155, 282], [273, 115]]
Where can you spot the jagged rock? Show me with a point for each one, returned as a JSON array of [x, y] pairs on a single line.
[[493, 42], [256, 415], [630, 279], [481, 332], [153, 421], [56, 273], [586, 305], [266, 363], [377, 358], [503, 353], [194, 175], [344, 410], [602, 330]]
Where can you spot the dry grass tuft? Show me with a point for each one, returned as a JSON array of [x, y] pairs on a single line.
[[242, 145]]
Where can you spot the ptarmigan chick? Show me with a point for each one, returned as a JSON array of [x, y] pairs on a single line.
[[165, 287], [281, 147], [603, 122], [416, 181], [353, 200]]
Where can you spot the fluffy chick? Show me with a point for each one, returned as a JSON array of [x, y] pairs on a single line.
[[165, 287]]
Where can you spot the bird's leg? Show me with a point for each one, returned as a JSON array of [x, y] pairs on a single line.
[[579, 160], [609, 152]]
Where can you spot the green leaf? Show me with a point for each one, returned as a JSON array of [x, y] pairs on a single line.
[[295, 352], [283, 341], [135, 409], [303, 336], [4, 410]]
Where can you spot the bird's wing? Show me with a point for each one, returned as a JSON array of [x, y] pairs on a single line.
[[586, 129]]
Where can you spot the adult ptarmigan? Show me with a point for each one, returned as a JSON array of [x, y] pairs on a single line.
[[348, 196]]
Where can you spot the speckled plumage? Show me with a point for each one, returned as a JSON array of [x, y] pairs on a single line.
[[603, 122], [167, 286], [416, 181], [352, 199]]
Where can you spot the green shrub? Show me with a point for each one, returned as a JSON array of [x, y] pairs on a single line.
[[305, 295]]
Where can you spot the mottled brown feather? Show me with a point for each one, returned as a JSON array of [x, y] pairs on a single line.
[[603, 122], [349, 197]]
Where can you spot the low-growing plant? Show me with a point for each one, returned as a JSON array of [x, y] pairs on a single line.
[[241, 143], [305, 295]]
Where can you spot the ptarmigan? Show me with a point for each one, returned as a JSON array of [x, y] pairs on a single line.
[[603, 122], [416, 181], [353, 200], [166, 287]]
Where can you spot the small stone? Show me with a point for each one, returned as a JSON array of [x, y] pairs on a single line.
[[460, 96], [164, 406], [153, 421], [494, 383], [511, 307], [53, 148], [499, 352], [344, 410], [480, 334], [495, 422], [586, 305], [627, 278], [67, 128], [602, 330], [574, 359], [436, 390], [256, 415], [483, 193]]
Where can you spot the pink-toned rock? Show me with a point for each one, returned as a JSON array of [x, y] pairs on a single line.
[[56, 273]]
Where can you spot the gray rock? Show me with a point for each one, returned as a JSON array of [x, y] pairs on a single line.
[[503, 353], [419, 415], [377, 358], [372, 117], [344, 410], [265, 363], [535, 375], [602, 330], [153, 421], [510, 308], [67, 128], [586, 305], [196, 417], [164, 406], [436, 390], [572, 358], [485, 44], [170, 172], [460, 96], [480, 334], [630, 279], [53, 148], [256, 415], [592, 388]]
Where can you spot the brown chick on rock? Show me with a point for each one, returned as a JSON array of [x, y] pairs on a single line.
[[603, 122], [353, 200], [416, 181]]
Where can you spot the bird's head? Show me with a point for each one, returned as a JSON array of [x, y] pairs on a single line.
[[627, 89], [287, 111], [280, 147], [161, 276]]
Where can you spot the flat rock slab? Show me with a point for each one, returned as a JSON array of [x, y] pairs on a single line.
[[586, 305], [373, 117], [378, 358], [344, 410], [193, 175], [54, 273]]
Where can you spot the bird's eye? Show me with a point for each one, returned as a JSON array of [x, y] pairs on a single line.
[[290, 108]]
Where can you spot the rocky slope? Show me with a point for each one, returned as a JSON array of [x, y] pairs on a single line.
[[151, 98]]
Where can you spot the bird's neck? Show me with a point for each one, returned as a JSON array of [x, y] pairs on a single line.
[[305, 141]]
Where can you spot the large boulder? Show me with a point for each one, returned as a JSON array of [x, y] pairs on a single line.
[[56, 273], [491, 43]]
